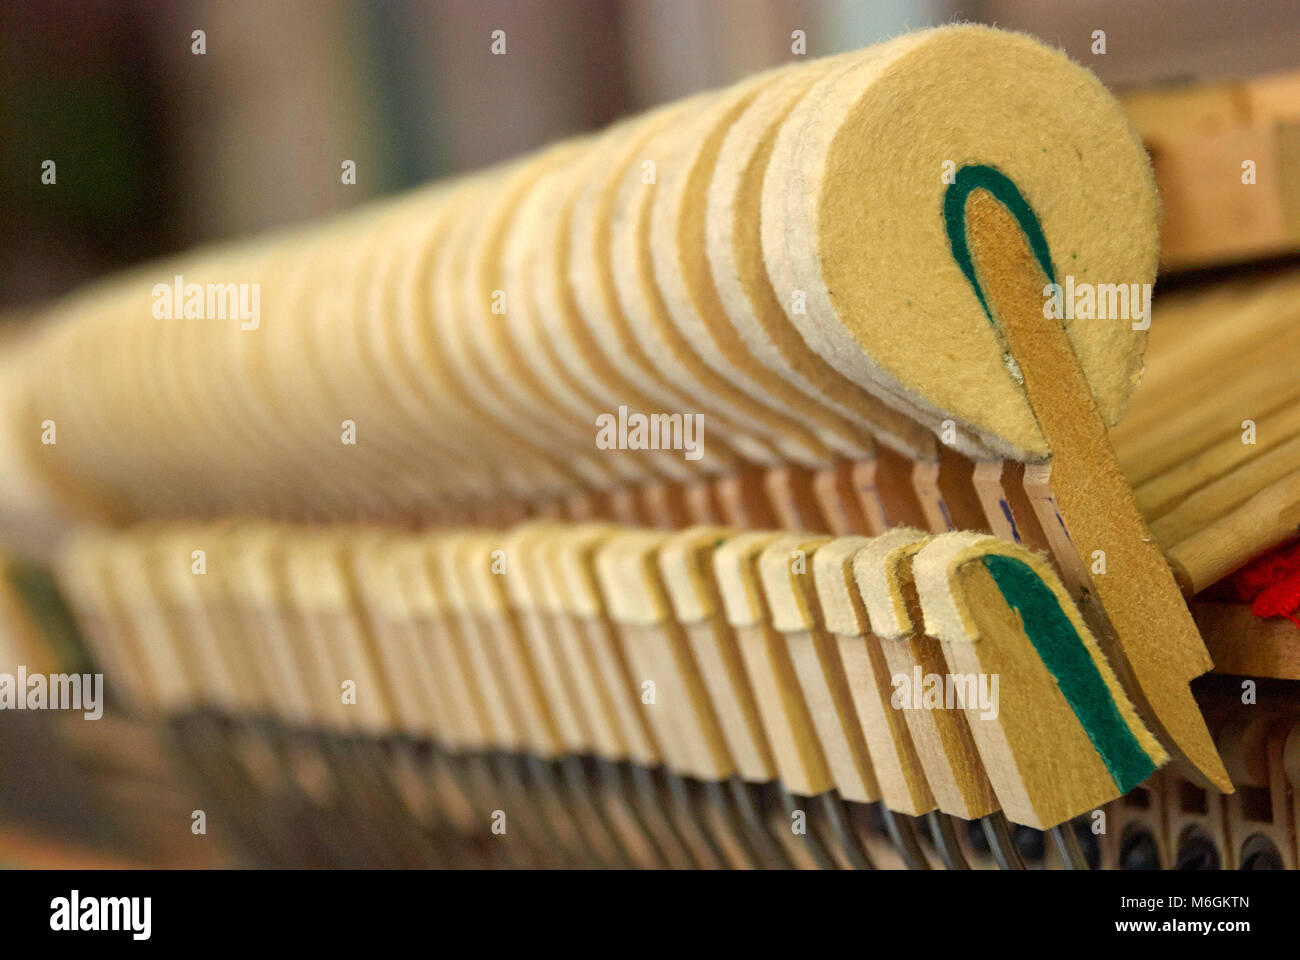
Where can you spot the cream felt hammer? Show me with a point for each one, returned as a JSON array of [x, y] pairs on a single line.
[[685, 563], [677, 243], [733, 241], [632, 360], [533, 285], [800, 757], [453, 303], [893, 756], [944, 742], [853, 207], [676, 357], [773, 257], [486, 343], [785, 572]]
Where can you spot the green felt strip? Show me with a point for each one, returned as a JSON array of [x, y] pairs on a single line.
[[1062, 651], [980, 177]]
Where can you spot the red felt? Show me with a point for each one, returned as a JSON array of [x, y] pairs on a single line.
[[1270, 584]]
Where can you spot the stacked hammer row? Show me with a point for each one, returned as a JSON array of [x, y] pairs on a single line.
[[456, 348], [749, 665]]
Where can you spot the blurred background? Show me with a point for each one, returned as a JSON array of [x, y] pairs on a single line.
[[159, 148]]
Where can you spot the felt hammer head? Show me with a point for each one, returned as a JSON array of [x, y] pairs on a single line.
[[860, 173]]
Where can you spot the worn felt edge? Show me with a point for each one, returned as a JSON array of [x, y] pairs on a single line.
[[590, 271], [734, 283], [686, 564], [671, 207], [783, 586], [830, 110], [875, 569], [832, 574]]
